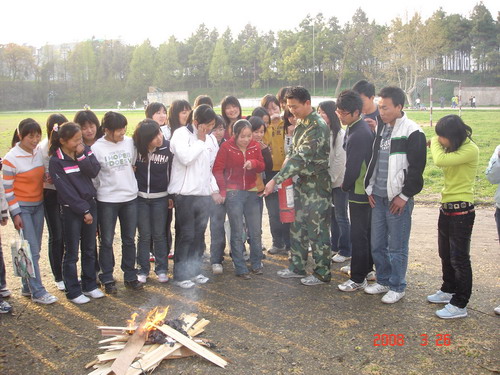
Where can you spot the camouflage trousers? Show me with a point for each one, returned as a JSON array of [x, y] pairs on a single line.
[[311, 228]]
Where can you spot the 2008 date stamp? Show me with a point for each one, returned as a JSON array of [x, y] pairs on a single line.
[[400, 339]]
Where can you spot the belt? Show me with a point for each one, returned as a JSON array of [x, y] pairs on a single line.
[[457, 213], [455, 205]]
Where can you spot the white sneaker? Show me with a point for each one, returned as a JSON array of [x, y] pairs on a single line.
[[351, 286], [142, 279], [392, 296], [46, 299], [376, 289], [96, 293], [346, 270], [60, 285], [200, 279], [337, 258], [162, 277], [497, 310], [287, 274], [440, 297], [80, 300], [217, 269], [372, 276], [184, 284]]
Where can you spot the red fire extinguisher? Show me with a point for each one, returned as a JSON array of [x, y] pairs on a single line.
[[285, 196]]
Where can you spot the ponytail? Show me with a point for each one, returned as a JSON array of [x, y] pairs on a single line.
[[66, 131]]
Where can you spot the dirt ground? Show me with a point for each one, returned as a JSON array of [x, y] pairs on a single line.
[[268, 325]]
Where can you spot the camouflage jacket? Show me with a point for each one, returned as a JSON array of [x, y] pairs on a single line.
[[309, 152]]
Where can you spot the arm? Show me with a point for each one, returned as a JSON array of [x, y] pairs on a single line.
[[417, 158], [218, 170], [355, 156], [268, 159], [493, 170], [448, 159], [88, 163], [339, 157], [8, 178], [185, 152]]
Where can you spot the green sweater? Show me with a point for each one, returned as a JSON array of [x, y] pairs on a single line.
[[459, 169]]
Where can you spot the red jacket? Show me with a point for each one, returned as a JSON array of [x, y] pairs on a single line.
[[228, 168]]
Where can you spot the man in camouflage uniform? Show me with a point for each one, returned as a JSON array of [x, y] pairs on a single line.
[[308, 159]]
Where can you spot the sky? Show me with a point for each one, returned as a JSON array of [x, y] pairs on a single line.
[[36, 23]]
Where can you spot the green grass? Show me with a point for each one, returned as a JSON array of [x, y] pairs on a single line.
[[484, 123]]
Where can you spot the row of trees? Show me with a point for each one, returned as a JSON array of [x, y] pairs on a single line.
[[320, 53]]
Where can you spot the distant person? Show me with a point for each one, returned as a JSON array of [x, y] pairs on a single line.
[[454, 101], [366, 91], [118, 105], [441, 101], [493, 176], [453, 150], [133, 104], [417, 102], [473, 102], [394, 176], [307, 159]]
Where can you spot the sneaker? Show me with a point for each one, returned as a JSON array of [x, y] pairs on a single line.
[[217, 269], [200, 279], [440, 297], [258, 271], [287, 274], [451, 312], [46, 299], [497, 310], [351, 286], [142, 278], [96, 293], [244, 276], [311, 280], [277, 251], [4, 293], [26, 294], [5, 307], [372, 276], [60, 285], [152, 258], [134, 284], [346, 270], [110, 288], [392, 296], [80, 300], [376, 289], [162, 277], [184, 284], [337, 258]]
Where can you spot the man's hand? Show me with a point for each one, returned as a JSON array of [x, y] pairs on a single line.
[[371, 200], [218, 199], [18, 222], [397, 206], [269, 188], [372, 123], [87, 218], [4, 221]]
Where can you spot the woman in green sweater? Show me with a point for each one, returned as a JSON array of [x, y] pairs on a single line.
[[454, 151]]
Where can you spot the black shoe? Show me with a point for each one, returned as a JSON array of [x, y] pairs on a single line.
[[258, 271], [110, 288], [244, 276], [134, 284]]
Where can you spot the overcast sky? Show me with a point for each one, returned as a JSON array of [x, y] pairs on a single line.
[[36, 22]]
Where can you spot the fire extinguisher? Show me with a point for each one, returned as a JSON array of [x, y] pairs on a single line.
[[285, 196]]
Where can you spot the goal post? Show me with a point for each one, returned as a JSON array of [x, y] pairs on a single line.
[[429, 83]]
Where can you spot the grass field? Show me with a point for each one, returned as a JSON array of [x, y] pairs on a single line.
[[484, 123]]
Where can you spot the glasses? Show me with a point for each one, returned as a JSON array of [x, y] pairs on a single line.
[[342, 113]]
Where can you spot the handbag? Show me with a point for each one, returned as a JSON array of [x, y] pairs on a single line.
[[22, 259]]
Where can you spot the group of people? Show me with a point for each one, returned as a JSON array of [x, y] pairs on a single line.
[[353, 193]]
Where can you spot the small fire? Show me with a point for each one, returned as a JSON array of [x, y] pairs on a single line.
[[155, 317], [131, 322]]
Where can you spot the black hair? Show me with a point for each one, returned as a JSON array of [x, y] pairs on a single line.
[[154, 107], [55, 118], [256, 123], [453, 128], [25, 127], [329, 107], [298, 92], [364, 87], [219, 121], [286, 122], [350, 101], [203, 114], [395, 93], [174, 110], [203, 99], [268, 99], [281, 95], [260, 112], [65, 131], [229, 100], [113, 121], [87, 116], [144, 133], [239, 126]]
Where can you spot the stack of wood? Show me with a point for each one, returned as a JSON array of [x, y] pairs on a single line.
[[129, 350]]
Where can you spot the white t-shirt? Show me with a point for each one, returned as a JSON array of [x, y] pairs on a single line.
[[116, 182]]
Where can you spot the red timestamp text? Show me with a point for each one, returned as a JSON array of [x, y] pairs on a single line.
[[400, 339]]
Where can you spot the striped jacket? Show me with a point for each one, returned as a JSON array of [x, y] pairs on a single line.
[[73, 179], [23, 174]]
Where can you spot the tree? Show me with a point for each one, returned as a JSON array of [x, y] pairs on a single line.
[[220, 74], [484, 36], [82, 68], [168, 67], [19, 62], [142, 71]]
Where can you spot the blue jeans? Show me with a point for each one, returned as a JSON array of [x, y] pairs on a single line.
[[107, 214], [152, 225], [78, 235], [341, 227], [280, 232], [32, 217], [191, 219], [3, 281], [217, 232], [390, 235], [497, 220], [52, 210], [239, 204]]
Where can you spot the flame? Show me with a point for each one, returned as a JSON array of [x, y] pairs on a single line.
[[155, 317], [131, 322]]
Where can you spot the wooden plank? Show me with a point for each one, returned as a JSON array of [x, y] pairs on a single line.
[[152, 359], [91, 364], [130, 351], [197, 348], [103, 370], [115, 338], [198, 328]]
